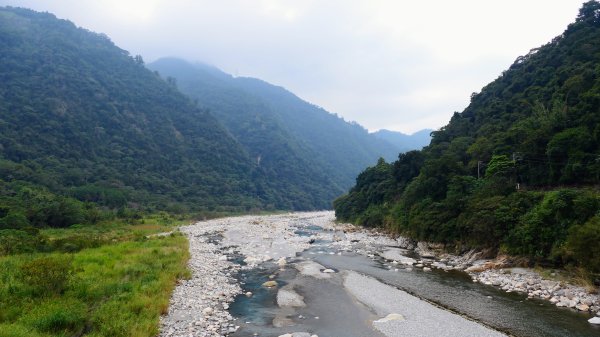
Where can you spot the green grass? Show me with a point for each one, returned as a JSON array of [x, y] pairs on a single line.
[[120, 287]]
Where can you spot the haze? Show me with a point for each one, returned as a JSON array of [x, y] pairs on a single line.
[[398, 65]]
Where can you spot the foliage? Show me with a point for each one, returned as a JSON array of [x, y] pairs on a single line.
[[119, 288], [517, 170], [582, 244], [84, 120], [47, 275], [308, 156]]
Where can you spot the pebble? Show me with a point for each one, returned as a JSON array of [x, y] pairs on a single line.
[[534, 286], [211, 287]]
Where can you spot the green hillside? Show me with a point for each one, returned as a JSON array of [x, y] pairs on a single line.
[[313, 150], [286, 163], [80, 117], [518, 170]]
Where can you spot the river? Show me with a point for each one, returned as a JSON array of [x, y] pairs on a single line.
[[331, 310]]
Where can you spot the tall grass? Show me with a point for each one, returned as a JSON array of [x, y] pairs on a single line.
[[119, 288]]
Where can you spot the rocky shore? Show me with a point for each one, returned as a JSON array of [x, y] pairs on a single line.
[[498, 271], [199, 306], [222, 249]]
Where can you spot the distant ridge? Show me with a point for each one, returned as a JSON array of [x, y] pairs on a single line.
[[404, 142]]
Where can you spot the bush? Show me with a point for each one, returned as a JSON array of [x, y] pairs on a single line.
[[14, 220], [542, 232], [13, 241], [16, 330], [66, 316], [583, 244], [47, 275]]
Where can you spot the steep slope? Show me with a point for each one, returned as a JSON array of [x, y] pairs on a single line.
[[80, 116], [404, 142], [280, 128], [248, 118], [517, 170]]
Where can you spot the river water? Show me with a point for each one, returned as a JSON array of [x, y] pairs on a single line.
[[331, 312]]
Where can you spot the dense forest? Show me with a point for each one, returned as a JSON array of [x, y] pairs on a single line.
[[82, 118], [317, 153], [518, 170]]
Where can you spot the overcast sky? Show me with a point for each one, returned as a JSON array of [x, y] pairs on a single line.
[[399, 65]]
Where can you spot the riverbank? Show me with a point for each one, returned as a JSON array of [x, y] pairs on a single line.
[[499, 271], [288, 274]]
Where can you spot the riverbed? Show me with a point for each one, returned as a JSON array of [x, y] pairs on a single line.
[[322, 281]]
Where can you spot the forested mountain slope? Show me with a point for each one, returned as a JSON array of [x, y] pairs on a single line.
[[82, 118], [284, 161], [313, 149], [517, 170]]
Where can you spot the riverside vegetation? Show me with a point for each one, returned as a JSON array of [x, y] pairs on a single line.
[[517, 171], [112, 278]]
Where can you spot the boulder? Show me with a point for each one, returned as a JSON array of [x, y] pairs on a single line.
[[594, 320], [289, 298], [270, 284], [311, 268]]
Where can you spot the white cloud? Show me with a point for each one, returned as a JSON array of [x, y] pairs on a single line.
[[394, 64]]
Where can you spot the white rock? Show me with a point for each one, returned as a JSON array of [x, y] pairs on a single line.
[[311, 268], [390, 317], [207, 311], [594, 320], [329, 271], [289, 298]]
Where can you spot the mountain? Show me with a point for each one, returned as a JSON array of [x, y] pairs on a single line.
[[518, 170], [404, 142], [81, 117], [319, 151]]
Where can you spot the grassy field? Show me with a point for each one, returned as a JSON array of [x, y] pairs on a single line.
[[112, 279]]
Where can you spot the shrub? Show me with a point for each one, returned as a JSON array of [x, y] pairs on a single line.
[[14, 220], [67, 316], [13, 241], [47, 274], [16, 330], [582, 244]]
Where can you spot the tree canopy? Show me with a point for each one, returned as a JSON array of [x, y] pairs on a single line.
[[517, 170]]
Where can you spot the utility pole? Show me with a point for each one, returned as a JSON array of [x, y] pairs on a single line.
[[479, 169]]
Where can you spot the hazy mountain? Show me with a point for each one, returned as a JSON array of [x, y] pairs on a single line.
[[404, 142], [279, 129], [82, 117]]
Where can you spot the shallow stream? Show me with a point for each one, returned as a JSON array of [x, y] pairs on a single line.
[[331, 312]]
